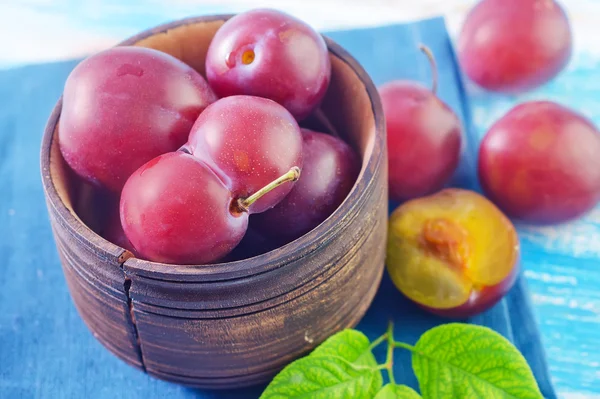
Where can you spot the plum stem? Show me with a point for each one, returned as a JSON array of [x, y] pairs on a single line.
[[291, 176], [434, 70]]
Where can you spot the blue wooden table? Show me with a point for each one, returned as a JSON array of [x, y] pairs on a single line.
[[561, 264]]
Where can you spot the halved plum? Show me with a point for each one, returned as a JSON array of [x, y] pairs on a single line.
[[454, 253]]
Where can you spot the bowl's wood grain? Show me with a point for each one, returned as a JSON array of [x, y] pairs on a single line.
[[242, 340], [92, 267], [232, 324]]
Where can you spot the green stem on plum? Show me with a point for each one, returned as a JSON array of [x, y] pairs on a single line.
[[434, 71], [243, 204]]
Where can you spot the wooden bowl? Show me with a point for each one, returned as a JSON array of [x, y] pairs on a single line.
[[232, 324]]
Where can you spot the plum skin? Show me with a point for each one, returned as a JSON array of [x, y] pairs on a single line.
[[113, 230], [175, 209], [330, 170], [422, 155], [270, 54], [540, 163], [253, 244], [513, 46], [124, 106], [248, 142]]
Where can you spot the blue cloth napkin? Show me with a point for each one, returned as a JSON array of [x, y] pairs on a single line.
[[45, 349]]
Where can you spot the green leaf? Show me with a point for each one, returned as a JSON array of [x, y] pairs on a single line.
[[319, 377], [352, 345], [391, 391], [457, 361], [341, 367]]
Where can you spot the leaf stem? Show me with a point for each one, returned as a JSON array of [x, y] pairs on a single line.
[[378, 341], [382, 367], [402, 345], [389, 359], [391, 345]]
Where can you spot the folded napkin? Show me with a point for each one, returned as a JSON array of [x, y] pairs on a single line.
[[45, 349]]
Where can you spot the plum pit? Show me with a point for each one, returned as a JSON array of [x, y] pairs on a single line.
[[446, 240]]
